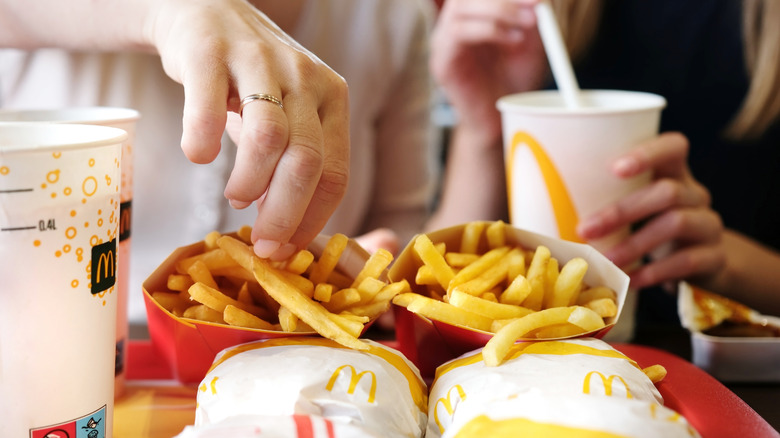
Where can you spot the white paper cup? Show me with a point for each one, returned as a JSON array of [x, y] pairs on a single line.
[[558, 159], [125, 119], [59, 226]]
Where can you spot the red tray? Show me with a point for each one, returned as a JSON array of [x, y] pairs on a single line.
[[708, 405]]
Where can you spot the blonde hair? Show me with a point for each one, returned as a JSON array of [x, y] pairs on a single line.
[[579, 20]]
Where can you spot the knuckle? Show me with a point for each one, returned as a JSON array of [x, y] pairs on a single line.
[[270, 133]]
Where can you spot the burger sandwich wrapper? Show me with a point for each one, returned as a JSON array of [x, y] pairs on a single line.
[[572, 387], [284, 382], [429, 343], [188, 346]]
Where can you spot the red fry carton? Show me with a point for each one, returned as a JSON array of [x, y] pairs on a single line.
[[428, 343], [189, 346]]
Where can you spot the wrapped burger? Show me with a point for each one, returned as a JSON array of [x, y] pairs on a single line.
[[571, 387], [376, 391]]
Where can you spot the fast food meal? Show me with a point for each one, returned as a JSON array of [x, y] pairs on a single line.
[[374, 392], [488, 282], [568, 387], [227, 284]]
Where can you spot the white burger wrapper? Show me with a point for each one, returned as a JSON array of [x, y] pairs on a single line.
[[277, 426], [379, 390], [574, 387]]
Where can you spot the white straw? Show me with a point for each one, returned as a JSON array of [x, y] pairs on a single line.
[[557, 54]]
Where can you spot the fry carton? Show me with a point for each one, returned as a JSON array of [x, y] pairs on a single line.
[[378, 391], [572, 387], [189, 346], [429, 342]]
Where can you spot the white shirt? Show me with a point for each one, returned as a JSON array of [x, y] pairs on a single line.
[[379, 46]]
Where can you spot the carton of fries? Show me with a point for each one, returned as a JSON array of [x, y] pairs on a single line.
[[216, 293], [488, 280]]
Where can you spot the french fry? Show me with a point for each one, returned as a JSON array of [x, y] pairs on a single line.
[[486, 308], [655, 373], [215, 299], [569, 283], [299, 262], [309, 311], [434, 259], [459, 260], [439, 311], [498, 346], [472, 233], [287, 320], [586, 319], [329, 258], [374, 266], [476, 269], [537, 275], [604, 307], [202, 312], [179, 282], [210, 241], [245, 234], [323, 292], [200, 273], [240, 318], [496, 234], [342, 299]]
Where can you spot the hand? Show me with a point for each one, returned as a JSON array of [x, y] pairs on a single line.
[[485, 49], [679, 230], [380, 238], [293, 161]]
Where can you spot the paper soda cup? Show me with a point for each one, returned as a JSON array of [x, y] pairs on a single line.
[[558, 159], [125, 119], [59, 228]]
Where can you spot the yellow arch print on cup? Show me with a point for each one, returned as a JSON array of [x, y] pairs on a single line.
[[563, 208]]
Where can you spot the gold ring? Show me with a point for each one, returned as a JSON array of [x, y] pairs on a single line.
[[254, 97]]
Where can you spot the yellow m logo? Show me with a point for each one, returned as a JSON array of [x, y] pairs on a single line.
[[607, 382], [103, 266], [447, 403], [353, 381], [563, 207]]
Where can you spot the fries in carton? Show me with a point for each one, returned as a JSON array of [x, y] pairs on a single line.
[[376, 392], [189, 338], [570, 387], [730, 341], [442, 322]]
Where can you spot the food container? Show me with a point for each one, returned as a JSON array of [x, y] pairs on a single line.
[[189, 346], [730, 358], [429, 343]]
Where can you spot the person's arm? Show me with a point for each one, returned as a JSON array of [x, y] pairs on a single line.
[[481, 51], [292, 158]]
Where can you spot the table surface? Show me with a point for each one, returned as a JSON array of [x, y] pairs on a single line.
[[156, 406]]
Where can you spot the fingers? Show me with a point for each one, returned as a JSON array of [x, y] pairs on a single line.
[[332, 183], [486, 21], [698, 261], [648, 201], [685, 227], [205, 112], [665, 156]]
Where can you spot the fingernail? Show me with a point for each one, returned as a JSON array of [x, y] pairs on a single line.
[[264, 248], [239, 205], [588, 227], [284, 251], [626, 166]]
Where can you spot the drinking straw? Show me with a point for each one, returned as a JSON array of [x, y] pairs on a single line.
[[557, 54]]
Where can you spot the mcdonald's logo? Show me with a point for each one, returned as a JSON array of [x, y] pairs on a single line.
[[103, 266], [563, 208], [607, 382], [125, 219], [447, 403], [354, 379]]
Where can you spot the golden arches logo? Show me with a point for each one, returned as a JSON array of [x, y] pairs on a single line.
[[447, 403], [563, 208], [607, 382], [354, 379]]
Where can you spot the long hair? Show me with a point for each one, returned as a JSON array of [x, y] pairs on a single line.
[[579, 20]]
